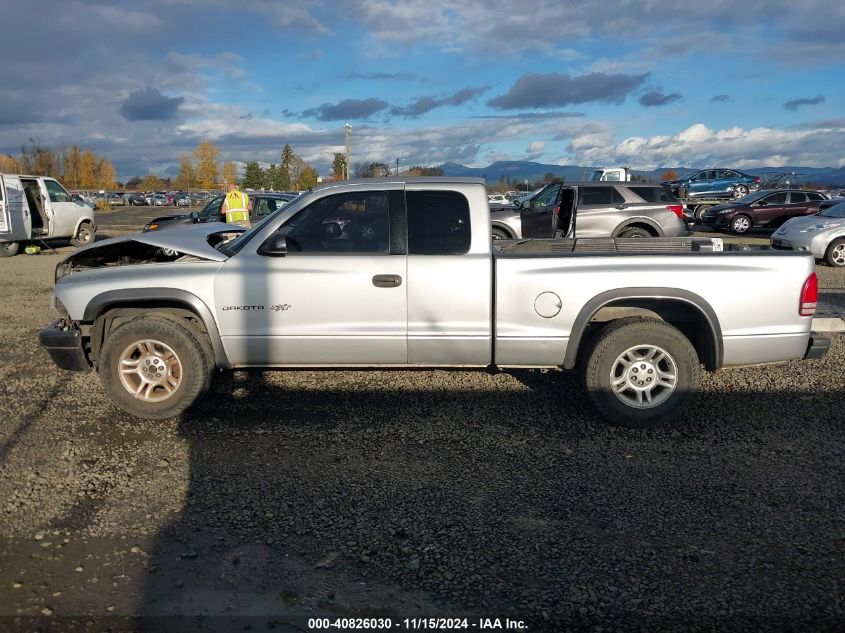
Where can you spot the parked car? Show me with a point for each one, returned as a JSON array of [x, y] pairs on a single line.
[[39, 208], [822, 234], [137, 200], [181, 200], [116, 199], [263, 204], [599, 209], [160, 200], [498, 199], [301, 290], [714, 183], [763, 209], [78, 199]]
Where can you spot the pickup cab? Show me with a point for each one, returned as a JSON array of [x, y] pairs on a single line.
[[403, 274], [39, 208]]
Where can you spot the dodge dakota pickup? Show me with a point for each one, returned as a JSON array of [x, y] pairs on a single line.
[[403, 273]]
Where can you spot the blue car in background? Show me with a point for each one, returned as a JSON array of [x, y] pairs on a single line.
[[714, 183]]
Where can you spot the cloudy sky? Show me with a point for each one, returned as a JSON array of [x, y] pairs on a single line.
[[587, 82]]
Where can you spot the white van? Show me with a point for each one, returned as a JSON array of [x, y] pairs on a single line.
[[39, 208]]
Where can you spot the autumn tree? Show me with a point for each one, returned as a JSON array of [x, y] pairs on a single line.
[[187, 177], [71, 163], [106, 174], [339, 166], [9, 165], [229, 172], [150, 182], [295, 167], [206, 171], [307, 179], [254, 176], [669, 174], [278, 178], [88, 170]]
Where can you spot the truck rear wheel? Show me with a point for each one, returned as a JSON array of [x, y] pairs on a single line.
[[641, 372], [154, 368], [9, 249]]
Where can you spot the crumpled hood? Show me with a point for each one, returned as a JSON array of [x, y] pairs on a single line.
[[187, 240]]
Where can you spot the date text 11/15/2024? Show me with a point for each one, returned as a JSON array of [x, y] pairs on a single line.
[[418, 624]]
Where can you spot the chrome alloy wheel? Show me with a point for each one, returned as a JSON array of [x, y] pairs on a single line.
[[741, 224], [643, 376], [838, 254], [150, 370]]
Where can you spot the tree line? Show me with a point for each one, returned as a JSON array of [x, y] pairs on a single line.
[[76, 168]]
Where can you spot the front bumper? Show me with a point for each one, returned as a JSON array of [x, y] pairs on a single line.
[[64, 344], [806, 242], [817, 346]]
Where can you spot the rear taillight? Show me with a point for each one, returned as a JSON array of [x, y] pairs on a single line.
[[757, 180], [557, 210], [677, 209], [809, 296]]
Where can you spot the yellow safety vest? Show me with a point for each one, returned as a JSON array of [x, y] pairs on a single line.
[[236, 207]]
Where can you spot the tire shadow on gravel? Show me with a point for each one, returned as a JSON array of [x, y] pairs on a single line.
[[417, 495]]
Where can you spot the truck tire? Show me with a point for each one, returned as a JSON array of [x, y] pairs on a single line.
[[9, 249], [84, 235], [154, 368], [835, 255], [641, 372]]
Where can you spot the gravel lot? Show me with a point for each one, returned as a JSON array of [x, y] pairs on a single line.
[[426, 493]]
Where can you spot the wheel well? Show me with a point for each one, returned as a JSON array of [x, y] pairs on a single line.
[[687, 317], [113, 316], [639, 225]]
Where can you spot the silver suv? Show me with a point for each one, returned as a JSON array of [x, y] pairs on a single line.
[[596, 209]]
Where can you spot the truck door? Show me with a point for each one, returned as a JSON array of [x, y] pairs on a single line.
[[336, 298], [450, 277], [15, 219], [63, 211], [538, 217]]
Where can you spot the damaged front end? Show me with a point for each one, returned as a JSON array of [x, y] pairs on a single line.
[[191, 244]]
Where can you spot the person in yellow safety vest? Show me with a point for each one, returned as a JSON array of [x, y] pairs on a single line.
[[236, 205]]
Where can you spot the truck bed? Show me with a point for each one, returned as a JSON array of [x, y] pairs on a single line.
[[601, 245]]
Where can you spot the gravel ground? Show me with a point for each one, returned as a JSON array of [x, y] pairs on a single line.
[[426, 493]]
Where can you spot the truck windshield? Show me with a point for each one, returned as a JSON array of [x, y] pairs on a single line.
[[233, 247]]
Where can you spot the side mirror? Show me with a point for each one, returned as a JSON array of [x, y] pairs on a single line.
[[195, 216], [275, 246]]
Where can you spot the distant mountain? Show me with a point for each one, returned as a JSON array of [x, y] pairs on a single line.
[[526, 170]]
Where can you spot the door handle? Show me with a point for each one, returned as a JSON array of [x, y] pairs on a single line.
[[387, 281]]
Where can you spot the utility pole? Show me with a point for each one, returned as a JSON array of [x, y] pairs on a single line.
[[397, 167], [348, 130]]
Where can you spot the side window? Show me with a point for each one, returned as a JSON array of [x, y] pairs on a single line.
[[777, 198], [729, 174], [356, 222], [212, 209], [815, 197], [546, 198], [438, 223], [655, 194], [56, 192], [797, 197], [600, 195]]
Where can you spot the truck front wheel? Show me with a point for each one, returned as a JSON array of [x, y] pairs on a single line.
[[642, 372], [154, 368], [84, 235]]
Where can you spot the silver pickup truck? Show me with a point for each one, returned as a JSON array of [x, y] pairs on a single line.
[[403, 273]]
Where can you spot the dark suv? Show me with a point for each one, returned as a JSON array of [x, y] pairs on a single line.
[[263, 204], [768, 208]]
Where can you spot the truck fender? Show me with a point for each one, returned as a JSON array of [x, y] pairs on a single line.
[[705, 312], [131, 297]]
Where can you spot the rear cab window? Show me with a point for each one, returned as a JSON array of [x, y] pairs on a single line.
[[438, 223]]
